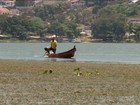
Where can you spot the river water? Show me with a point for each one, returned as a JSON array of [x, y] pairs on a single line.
[[126, 53]]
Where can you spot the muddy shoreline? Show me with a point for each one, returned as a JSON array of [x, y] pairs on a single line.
[[29, 82]]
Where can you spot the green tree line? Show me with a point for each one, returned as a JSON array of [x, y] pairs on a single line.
[[108, 21], [19, 27]]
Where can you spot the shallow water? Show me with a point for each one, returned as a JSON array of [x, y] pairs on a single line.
[[93, 52]]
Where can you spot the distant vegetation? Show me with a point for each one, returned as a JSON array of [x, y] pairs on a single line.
[[108, 21]]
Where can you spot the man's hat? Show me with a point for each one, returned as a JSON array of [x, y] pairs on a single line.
[[53, 36]]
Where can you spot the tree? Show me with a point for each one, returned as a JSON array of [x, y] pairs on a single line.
[[57, 28], [16, 27], [86, 2], [72, 29], [24, 2], [3, 19], [136, 30], [37, 26], [51, 12], [109, 24], [20, 2], [98, 4], [68, 29]]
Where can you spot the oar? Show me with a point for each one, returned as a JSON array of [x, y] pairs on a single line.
[[45, 54]]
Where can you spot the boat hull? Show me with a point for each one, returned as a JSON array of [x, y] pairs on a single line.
[[67, 54]]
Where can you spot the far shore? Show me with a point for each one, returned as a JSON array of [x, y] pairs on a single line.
[[31, 82]]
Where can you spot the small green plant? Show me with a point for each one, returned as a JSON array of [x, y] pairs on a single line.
[[88, 73], [47, 72], [77, 71]]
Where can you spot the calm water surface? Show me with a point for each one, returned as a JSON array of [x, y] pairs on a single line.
[[95, 52]]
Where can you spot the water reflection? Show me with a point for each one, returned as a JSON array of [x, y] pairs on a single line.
[[61, 59]]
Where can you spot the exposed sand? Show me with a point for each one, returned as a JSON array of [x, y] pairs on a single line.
[[70, 83]]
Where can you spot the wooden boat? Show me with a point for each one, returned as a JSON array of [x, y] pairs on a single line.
[[67, 54]]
